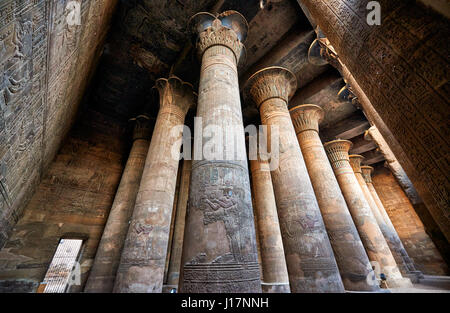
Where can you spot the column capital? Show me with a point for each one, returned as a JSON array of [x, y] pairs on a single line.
[[228, 29], [175, 92], [355, 162], [337, 150], [143, 125], [270, 82], [306, 117], [367, 173]]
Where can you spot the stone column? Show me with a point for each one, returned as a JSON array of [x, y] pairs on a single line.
[[351, 257], [309, 256], [355, 163], [103, 270], [371, 236], [406, 85], [275, 275], [178, 233], [219, 250], [143, 258], [405, 263]]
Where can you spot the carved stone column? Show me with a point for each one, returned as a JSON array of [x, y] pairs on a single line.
[[309, 256], [405, 263], [143, 258], [355, 163], [275, 275], [219, 250], [404, 79], [350, 255], [178, 233], [103, 270], [371, 236]]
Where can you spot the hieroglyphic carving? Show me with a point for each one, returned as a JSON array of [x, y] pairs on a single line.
[[392, 63], [309, 256], [350, 255], [220, 235]]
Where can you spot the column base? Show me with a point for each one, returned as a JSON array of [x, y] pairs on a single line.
[[415, 276], [381, 290], [399, 283], [170, 289], [275, 287]]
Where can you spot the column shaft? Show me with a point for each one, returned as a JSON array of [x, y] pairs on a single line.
[[351, 257], [219, 250], [275, 275], [405, 263], [355, 163], [143, 258], [103, 271], [178, 233], [309, 256], [385, 61], [371, 236]]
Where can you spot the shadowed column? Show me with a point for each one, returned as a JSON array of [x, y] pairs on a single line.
[[178, 233], [406, 265], [355, 163], [275, 275], [309, 256], [143, 258], [219, 249], [402, 67], [351, 257], [103, 271], [369, 231]]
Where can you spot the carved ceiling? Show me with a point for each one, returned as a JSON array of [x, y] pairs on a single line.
[[148, 39]]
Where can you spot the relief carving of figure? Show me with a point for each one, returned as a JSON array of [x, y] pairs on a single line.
[[225, 208]]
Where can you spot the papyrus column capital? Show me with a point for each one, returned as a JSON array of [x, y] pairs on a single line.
[[367, 173], [175, 95], [268, 83], [355, 162], [337, 151], [143, 125], [227, 29], [306, 117]]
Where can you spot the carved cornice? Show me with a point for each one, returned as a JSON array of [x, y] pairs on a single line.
[[175, 92], [337, 150], [143, 126], [306, 117], [355, 162], [367, 173], [268, 83], [227, 29]]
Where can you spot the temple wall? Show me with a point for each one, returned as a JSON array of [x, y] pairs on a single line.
[[408, 225], [45, 65], [72, 201]]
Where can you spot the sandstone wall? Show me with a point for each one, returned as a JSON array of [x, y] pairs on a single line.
[[72, 201], [45, 65], [408, 225]]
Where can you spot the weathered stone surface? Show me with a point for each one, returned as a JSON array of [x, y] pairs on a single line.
[[392, 257], [141, 267], [369, 231], [219, 250], [103, 271], [45, 68], [309, 256], [72, 201], [348, 249], [404, 262], [391, 63], [173, 273], [274, 271], [408, 224]]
